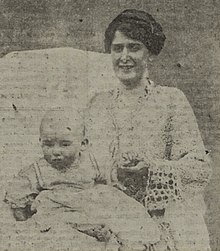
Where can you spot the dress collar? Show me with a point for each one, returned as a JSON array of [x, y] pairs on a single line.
[[145, 90]]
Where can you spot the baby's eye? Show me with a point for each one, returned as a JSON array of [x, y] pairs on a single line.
[[117, 47], [48, 143], [65, 143]]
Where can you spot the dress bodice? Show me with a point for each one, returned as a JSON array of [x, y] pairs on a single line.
[[141, 126], [160, 126]]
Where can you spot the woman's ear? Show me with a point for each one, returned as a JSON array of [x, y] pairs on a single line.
[[84, 144], [40, 140], [151, 58]]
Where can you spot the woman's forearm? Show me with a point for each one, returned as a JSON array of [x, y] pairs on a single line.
[[192, 173]]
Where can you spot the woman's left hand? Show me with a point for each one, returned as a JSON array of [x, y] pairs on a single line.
[[134, 169], [132, 162], [130, 159]]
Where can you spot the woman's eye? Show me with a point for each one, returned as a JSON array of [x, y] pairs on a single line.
[[134, 47], [117, 47]]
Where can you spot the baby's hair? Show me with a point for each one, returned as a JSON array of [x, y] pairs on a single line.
[[68, 117]]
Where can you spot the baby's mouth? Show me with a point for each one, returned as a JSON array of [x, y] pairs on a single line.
[[61, 163], [57, 162], [57, 159]]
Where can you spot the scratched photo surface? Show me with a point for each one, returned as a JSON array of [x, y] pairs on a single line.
[[56, 78]]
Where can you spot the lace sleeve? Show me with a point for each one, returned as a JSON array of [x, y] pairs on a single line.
[[188, 152], [186, 168]]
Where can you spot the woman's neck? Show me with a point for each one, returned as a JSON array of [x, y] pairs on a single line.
[[136, 90]]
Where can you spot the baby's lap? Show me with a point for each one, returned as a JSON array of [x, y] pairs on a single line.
[[98, 194], [108, 197], [102, 197], [101, 204]]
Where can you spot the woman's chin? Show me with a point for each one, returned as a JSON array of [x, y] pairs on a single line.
[[127, 78], [130, 82]]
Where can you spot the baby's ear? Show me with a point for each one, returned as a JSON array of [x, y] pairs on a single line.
[[84, 144]]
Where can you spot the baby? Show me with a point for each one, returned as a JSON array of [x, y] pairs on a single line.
[[64, 163], [66, 187]]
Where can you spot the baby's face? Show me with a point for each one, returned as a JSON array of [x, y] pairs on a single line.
[[61, 147]]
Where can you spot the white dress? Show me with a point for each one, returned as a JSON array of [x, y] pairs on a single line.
[[161, 127]]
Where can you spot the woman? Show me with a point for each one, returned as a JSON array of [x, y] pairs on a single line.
[[145, 136]]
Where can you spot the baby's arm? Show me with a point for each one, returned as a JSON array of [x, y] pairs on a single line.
[[21, 193], [23, 211]]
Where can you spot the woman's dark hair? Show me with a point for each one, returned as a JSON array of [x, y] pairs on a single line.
[[138, 25]]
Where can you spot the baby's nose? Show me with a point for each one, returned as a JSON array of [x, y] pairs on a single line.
[[56, 151]]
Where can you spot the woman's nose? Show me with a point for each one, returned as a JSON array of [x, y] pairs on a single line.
[[124, 54]]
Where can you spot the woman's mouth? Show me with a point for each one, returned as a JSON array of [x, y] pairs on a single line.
[[126, 67]]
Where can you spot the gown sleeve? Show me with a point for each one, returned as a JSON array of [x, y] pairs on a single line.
[[22, 191], [186, 167]]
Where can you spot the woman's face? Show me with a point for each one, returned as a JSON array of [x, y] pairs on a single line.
[[129, 59]]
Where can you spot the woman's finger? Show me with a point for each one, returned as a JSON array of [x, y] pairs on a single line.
[[125, 156], [138, 168], [132, 155]]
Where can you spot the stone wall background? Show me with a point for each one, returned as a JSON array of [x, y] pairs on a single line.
[[189, 61]]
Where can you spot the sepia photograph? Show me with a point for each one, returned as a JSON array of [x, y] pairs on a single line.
[[110, 125]]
